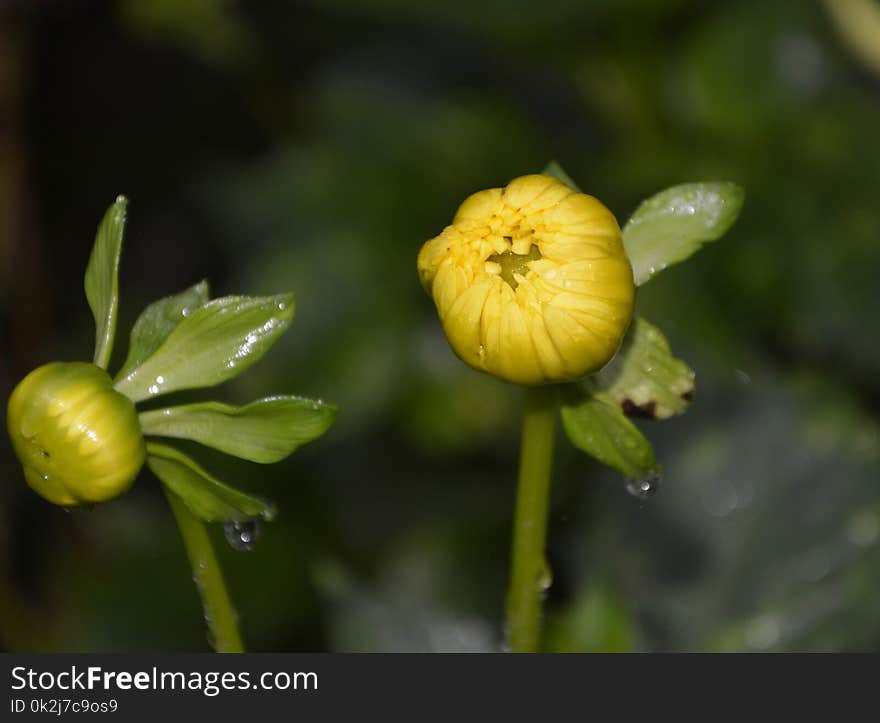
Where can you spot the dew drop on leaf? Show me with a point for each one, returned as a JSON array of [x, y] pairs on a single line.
[[241, 534], [644, 487]]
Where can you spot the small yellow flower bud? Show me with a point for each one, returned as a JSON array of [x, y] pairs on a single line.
[[78, 439], [531, 282]]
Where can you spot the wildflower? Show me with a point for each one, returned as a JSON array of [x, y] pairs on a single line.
[[78, 439], [531, 282]]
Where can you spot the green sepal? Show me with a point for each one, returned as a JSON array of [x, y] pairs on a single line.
[[207, 497], [218, 341], [102, 279], [645, 379], [158, 320], [595, 424], [672, 225], [264, 431], [554, 170]]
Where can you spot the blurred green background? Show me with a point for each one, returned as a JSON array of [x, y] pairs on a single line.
[[314, 146]]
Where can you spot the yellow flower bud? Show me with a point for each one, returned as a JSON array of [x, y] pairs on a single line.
[[531, 282], [78, 439]]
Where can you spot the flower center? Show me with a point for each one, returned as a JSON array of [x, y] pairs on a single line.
[[512, 264]]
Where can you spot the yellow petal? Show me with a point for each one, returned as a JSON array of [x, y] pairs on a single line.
[[479, 206]]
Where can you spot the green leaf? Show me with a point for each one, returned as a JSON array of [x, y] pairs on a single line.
[[264, 431], [158, 320], [207, 497], [644, 378], [595, 425], [556, 171], [672, 225], [216, 342], [102, 279]]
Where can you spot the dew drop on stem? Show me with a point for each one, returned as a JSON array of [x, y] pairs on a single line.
[[545, 578], [241, 534]]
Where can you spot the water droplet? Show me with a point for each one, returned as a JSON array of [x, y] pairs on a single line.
[[545, 577], [241, 534], [644, 487]]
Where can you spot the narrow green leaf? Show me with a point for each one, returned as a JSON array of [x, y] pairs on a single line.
[[158, 320], [102, 279], [644, 379], [595, 425], [264, 431], [672, 225], [556, 171], [216, 342], [207, 497]]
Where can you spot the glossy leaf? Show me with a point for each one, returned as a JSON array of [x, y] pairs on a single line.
[[595, 425], [102, 279], [264, 431], [216, 342], [644, 379], [556, 171], [158, 320], [207, 497], [672, 225]]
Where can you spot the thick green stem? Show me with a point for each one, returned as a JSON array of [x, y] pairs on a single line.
[[529, 574], [219, 613]]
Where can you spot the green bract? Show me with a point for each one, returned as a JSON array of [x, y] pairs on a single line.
[[263, 431], [78, 434], [595, 425], [208, 498], [673, 224], [102, 279], [645, 379], [215, 342], [158, 320]]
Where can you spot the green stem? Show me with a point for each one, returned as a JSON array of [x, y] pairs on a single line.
[[219, 612], [529, 574]]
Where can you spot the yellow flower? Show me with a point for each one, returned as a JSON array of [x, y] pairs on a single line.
[[78, 439], [531, 282]]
